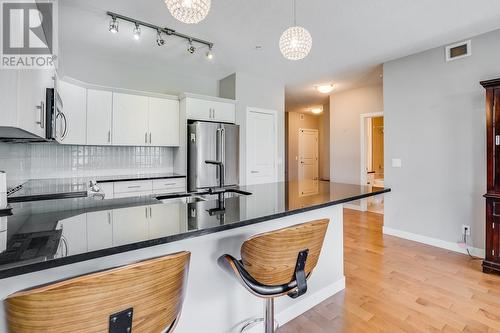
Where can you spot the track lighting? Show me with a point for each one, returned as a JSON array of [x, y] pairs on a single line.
[[159, 40], [113, 25], [210, 55], [139, 25], [137, 32], [191, 49]]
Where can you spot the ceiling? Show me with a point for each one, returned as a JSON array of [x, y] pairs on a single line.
[[350, 38]]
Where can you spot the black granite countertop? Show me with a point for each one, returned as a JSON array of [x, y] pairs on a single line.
[[77, 187], [51, 233]]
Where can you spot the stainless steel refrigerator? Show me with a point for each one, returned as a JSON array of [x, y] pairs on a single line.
[[216, 142]]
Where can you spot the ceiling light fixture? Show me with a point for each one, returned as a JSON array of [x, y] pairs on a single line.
[[326, 88], [159, 40], [113, 25], [210, 55], [295, 42], [137, 32], [316, 110], [189, 11]]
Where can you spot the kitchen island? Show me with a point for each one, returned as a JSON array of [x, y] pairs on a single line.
[[68, 237]]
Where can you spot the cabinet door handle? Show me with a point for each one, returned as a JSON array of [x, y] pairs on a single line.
[[109, 217], [150, 212], [149, 137], [41, 114], [146, 211], [146, 137], [213, 113], [109, 136]]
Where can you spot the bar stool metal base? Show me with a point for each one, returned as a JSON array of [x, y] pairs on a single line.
[[270, 324]]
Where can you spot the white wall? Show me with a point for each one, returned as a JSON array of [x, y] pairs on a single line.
[[141, 76], [345, 110], [259, 92], [435, 122]]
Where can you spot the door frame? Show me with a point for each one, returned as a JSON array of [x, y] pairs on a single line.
[[362, 178], [274, 113]]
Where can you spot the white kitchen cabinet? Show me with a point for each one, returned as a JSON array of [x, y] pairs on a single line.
[[130, 225], [164, 220], [210, 110], [130, 120], [74, 235], [99, 230], [71, 128], [31, 99], [99, 117], [169, 185], [163, 122]]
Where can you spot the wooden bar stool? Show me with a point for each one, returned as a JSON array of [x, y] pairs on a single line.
[[144, 297], [278, 263]]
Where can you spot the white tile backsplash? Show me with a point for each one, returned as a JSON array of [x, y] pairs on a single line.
[[39, 161]]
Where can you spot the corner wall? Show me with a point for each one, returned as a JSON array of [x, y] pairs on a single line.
[[435, 122], [345, 136]]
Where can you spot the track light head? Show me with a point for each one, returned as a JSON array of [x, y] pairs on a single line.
[[191, 49], [210, 55], [159, 40], [113, 25], [137, 32]]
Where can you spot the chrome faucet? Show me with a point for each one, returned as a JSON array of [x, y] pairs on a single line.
[[220, 190]]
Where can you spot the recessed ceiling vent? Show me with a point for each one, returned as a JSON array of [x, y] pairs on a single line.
[[458, 50]]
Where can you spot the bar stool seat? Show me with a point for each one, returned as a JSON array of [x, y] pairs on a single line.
[[144, 297], [278, 263]]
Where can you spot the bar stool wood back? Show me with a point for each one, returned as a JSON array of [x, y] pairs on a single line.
[[144, 297], [278, 263]]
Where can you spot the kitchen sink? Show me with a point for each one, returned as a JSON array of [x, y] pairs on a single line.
[[184, 199]]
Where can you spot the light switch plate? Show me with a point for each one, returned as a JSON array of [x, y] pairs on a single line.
[[397, 163]]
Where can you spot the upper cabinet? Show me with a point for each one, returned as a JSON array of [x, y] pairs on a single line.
[[210, 109], [130, 120], [22, 100], [145, 121], [163, 122], [99, 117], [71, 127]]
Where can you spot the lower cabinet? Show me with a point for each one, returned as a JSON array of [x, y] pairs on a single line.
[[130, 225], [164, 220], [492, 246], [74, 235], [100, 230]]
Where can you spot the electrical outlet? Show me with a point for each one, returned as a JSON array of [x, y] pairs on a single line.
[[466, 230]]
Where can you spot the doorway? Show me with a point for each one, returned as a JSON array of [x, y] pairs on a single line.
[[372, 158], [261, 146]]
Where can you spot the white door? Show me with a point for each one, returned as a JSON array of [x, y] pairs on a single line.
[[31, 97], [99, 230], [130, 225], [163, 122], [130, 120], [308, 161], [99, 117], [262, 143], [72, 129]]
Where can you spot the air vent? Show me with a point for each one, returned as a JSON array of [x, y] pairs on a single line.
[[458, 50]]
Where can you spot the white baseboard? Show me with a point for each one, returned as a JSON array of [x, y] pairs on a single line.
[[451, 246], [302, 306]]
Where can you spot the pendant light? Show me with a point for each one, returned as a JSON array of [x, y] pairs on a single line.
[[189, 11], [295, 42]]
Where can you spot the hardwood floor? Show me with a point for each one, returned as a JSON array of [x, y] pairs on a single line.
[[395, 285]]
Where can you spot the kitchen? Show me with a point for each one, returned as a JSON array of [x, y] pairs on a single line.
[[105, 166]]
